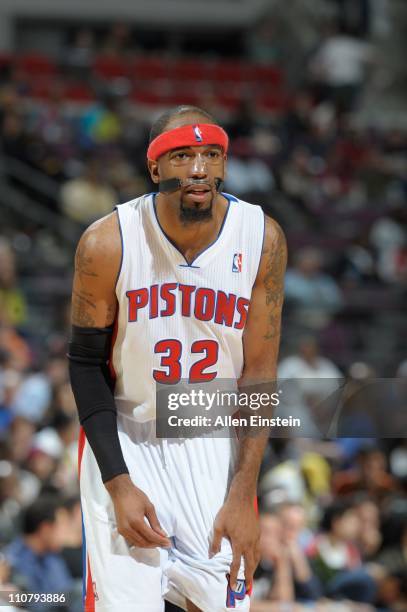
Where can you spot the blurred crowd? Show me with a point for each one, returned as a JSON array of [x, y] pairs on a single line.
[[333, 513]]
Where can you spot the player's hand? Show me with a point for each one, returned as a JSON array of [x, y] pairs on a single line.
[[131, 506], [237, 520]]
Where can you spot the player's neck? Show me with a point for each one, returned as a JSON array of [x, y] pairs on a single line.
[[191, 238]]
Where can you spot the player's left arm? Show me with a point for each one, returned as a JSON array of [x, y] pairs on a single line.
[[237, 520]]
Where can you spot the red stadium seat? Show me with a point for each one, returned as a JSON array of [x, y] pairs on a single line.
[[266, 75], [146, 97], [36, 64], [275, 102], [79, 92], [110, 67], [149, 68], [5, 60], [227, 71], [229, 101], [190, 70], [178, 98], [40, 87]]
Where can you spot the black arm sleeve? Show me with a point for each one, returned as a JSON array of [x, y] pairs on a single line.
[[92, 387]]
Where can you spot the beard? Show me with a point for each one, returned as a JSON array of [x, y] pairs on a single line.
[[194, 214]]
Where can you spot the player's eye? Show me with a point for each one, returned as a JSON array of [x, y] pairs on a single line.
[[214, 154], [181, 155]]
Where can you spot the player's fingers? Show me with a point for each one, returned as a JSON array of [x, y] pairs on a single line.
[[140, 543], [151, 536], [234, 569], [216, 541], [249, 567], [133, 538], [153, 520], [257, 554]]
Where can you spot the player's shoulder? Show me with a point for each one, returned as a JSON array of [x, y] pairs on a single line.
[[243, 205], [274, 237], [274, 252], [102, 238], [273, 234]]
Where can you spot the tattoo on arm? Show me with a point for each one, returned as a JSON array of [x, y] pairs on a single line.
[[274, 282], [81, 314], [111, 313], [87, 310], [83, 263], [83, 305]]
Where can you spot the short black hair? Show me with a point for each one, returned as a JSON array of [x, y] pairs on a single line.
[[334, 511], [163, 120], [70, 502], [42, 510]]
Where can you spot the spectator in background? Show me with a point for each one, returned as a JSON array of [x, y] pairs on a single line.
[[13, 135], [37, 566], [20, 441], [247, 174], [339, 65], [20, 437], [79, 56], [369, 538], [12, 302], [9, 382], [122, 177], [284, 573], [101, 123], [53, 125], [118, 40], [44, 457], [70, 522], [393, 555], [312, 387], [272, 579], [308, 362], [295, 537], [370, 475], [88, 197], [33, 397], [388, 236], [262, 44], [67, 428], [16, 354], [335, 559], [10, 502], [314, 295], [6, 586]]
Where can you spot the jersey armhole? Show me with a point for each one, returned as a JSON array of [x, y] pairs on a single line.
[[119, 272], [261, 249]]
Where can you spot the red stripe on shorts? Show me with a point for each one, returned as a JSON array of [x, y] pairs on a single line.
[[90, 595]]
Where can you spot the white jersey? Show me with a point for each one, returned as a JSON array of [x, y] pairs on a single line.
[[175, 321], [179, 320]]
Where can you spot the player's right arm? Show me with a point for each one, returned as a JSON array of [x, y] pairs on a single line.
[[94, 307]]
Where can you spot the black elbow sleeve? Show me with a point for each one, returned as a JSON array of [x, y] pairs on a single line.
[[92, 387]]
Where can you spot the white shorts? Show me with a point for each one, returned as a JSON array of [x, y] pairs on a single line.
[[187, 482]]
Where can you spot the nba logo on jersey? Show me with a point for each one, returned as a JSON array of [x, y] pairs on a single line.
[[198, 134], [237, 262]]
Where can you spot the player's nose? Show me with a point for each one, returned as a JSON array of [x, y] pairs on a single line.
[[198, 167]]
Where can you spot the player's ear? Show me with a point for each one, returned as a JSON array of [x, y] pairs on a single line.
[[153, 170]]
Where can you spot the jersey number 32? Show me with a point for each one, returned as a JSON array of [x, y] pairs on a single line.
[[170, 360]]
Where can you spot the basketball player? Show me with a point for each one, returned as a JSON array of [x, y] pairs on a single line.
[[183, 283]]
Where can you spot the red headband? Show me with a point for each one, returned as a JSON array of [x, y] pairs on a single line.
[[188, 136]]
